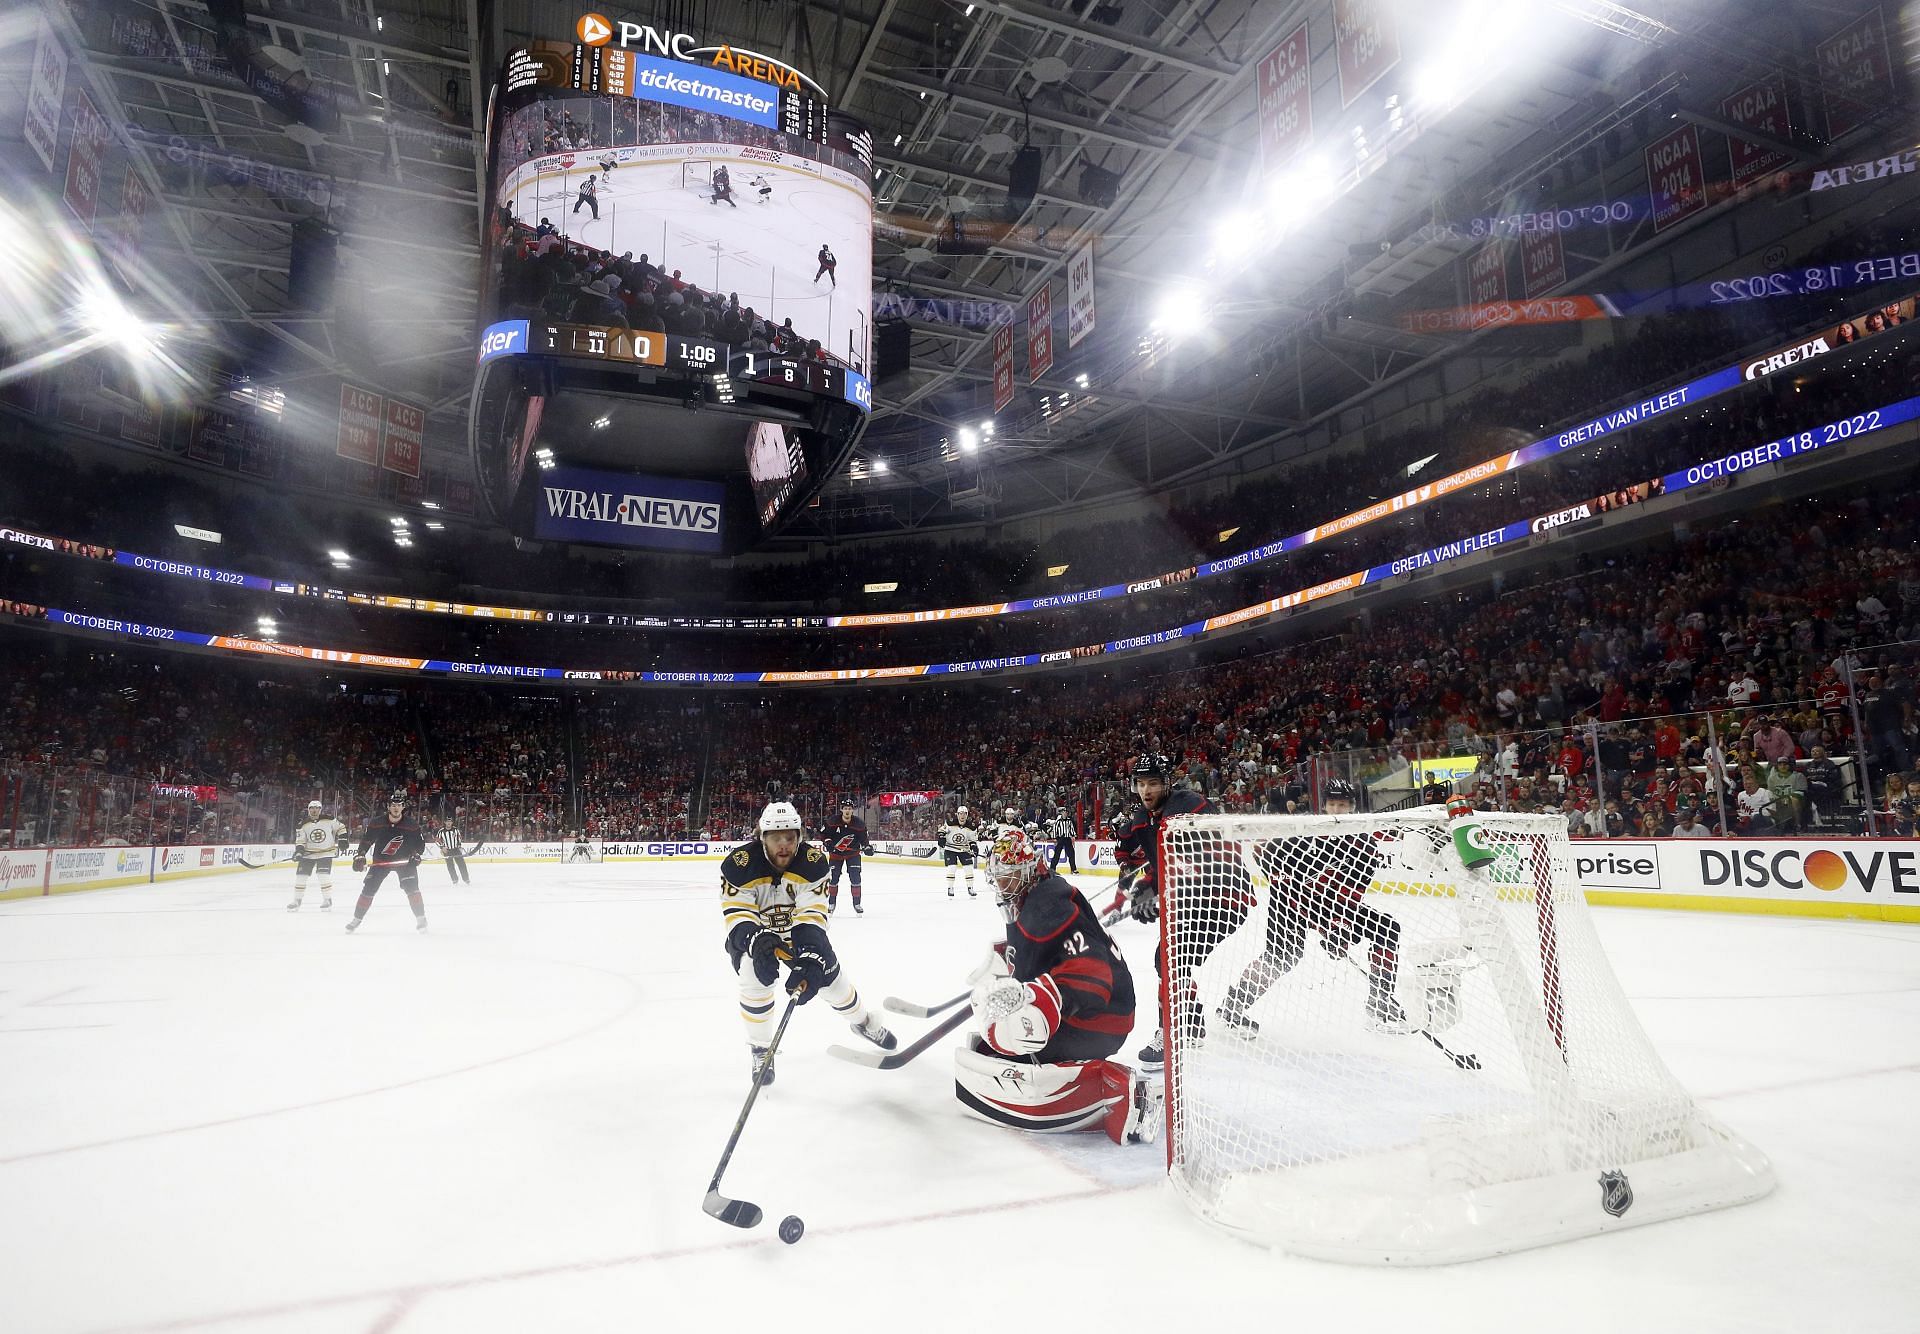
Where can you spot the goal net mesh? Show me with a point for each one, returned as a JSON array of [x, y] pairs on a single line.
[[1376, 1055], [696, 174]]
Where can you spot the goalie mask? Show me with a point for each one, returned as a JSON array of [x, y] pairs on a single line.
[[1012, 867]]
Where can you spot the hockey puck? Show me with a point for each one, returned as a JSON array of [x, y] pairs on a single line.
[[792, 1229]]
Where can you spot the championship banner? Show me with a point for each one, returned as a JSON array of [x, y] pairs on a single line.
[[1855, 72], [1285, 101], [1002, 367], [1366, 39], [1040, 334], [362, 414], [1487, 274], [1676, 177], [46, 95], [91, 136], [405, 438], [1080, 295], [129, 230], [1760, 106], [1543, 263]]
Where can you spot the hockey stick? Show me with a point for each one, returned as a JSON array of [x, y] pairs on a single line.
[[906, 1007], [271, 861], [742, 1213], [1461, 1059], [893, 1060], [917, 1011]]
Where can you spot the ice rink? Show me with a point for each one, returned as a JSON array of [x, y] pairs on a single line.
[[765, 252], [217, 1115]]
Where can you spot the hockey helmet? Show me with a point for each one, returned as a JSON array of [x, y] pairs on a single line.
[[1012, 864], [1152, 766], [960, 813], [398, 799], [314, 805], [1013, 815], [1336, 789], [780, 815]]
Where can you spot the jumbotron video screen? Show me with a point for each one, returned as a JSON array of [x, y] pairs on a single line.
[[686, 205]]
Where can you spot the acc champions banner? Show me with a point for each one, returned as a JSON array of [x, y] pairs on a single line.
[[618, 509]]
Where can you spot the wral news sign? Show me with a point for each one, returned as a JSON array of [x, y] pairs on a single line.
[[617, 509]]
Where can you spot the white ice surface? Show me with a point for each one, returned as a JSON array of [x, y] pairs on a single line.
[[216, 1115]]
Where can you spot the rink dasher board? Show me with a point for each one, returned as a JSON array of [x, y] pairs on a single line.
[[1875, 879]]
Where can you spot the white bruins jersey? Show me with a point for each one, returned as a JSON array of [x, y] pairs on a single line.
[[320, 838], [959, 837], [752, 890]]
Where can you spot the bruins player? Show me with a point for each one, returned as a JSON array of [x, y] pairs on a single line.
[[845, 841], [1053, 1002], [315, 844], [774, 902], [396, 844], [960, 845]]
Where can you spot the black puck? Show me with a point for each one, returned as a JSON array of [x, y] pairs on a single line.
[[792, 1229]]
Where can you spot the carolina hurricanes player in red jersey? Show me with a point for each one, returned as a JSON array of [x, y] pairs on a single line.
[[1320, 881], [844, 842], [1052, 1002]]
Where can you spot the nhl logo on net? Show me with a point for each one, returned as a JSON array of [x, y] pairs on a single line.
[[1616, 1193]]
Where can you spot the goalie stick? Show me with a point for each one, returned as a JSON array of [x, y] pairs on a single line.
[[893, 1060], [743, 1213], [915, 1010]]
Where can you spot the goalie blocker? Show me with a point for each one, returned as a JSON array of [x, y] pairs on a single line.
[[1052, 1002], [1321, 1131]]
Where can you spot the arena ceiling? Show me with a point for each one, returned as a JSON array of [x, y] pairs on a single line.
[[1263, 270]]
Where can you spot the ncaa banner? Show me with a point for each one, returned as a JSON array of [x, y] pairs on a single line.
[[405, 439], [1759, 106], [1676, 177], [1856, 72], [1040, 334], [1543, 263], [1487, 274], [1080, 295], [46, 95], [620, 509], [1284, 90]]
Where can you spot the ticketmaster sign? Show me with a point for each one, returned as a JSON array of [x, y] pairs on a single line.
[[615, 509]]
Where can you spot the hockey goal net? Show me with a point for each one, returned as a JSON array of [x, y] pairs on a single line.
[[590, 850], [1376, 1055], [697, 174]]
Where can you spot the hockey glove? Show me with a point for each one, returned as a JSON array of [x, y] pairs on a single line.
[[1018, 1018], [359, 865], [1143, 898], [764, 950], [809, 974]]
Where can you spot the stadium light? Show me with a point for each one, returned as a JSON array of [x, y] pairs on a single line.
[[1176, 306], [1080, 380], [879, 465], [986, 428], [969, 439]]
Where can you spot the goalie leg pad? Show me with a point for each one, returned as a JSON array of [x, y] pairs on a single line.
[[1043, 1099]]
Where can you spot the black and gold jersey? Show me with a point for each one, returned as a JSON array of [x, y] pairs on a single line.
[[753, 890]]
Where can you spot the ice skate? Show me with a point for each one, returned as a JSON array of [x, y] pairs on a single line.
[[762, 1066], [875, 1032]]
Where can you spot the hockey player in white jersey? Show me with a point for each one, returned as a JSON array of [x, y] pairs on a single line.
[[959, 846], [763, 187], [773, 898], [315, 844]]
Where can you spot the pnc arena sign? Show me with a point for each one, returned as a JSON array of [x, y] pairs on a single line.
[[598, 30]]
